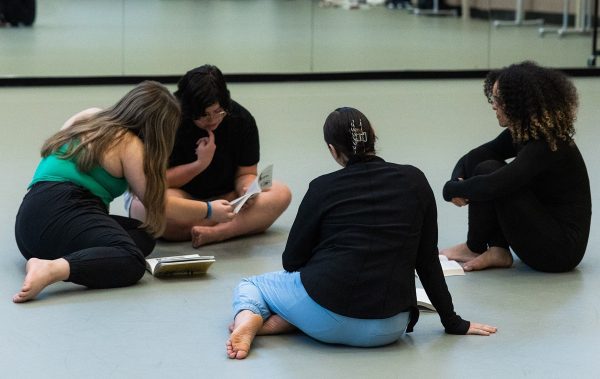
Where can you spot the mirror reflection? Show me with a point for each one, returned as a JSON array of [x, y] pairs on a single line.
[[167, 37]]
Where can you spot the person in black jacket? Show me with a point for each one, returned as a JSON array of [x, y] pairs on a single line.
[[539, 204], [351, 255]]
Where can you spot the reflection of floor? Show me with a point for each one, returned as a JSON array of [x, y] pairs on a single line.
[[152, 37], [548, 323]]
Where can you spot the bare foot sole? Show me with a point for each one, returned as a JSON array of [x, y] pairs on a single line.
[[494, 257], [39, 274], [203, 235], [459, 253], [275, 325], [246, 325]]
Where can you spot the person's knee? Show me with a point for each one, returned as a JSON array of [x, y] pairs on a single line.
[[135, 272], [145, 243], [487, 167], [284, 196], [134, 269]]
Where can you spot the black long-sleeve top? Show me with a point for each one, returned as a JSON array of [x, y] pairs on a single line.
[[358, 237], [558, 179]]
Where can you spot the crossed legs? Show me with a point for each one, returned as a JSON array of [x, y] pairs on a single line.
[[257, 218]]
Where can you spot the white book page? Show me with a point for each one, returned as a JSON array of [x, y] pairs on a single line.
[[262, 182], [153, 262], [423, 300], [450, 267]]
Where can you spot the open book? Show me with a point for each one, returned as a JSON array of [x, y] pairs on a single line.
[[423, 302], [179, 265], [261, 183], [450, 267]]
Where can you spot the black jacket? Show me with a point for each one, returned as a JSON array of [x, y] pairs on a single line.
[[359, 235]]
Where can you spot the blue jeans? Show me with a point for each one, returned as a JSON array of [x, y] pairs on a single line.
[[282, 293]]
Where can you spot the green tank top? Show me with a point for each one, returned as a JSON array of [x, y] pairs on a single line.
[[98, 181]]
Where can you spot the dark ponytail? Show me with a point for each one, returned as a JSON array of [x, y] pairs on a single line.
[[350, 132]]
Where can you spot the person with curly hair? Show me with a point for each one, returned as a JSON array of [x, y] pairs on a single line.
[[538, 204]]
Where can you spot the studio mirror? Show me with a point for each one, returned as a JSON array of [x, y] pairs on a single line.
[[555, 33], [74, 38]]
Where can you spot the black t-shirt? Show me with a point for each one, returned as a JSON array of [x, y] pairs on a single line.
[[237, 144]]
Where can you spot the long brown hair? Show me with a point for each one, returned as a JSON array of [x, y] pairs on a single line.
[[152, 113]]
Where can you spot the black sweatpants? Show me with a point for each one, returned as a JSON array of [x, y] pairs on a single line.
[[520, 221], [63, 220]]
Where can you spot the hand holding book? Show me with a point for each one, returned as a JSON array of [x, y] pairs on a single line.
[[261, 183]]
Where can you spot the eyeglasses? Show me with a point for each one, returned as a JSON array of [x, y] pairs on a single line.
[[213, 116]]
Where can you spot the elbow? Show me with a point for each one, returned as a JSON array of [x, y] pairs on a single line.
[[289, 267], [446, 192]]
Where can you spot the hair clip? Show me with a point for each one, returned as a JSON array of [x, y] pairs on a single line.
[[358, 135]]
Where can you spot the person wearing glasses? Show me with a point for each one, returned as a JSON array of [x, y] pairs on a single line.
[[538, 204], [215, 156], [350, 259], [63, 227]]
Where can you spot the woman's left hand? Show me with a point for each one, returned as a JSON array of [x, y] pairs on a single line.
[[481, 329]]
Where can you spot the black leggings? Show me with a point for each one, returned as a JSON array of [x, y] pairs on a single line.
[[63, 220], [520, 221]]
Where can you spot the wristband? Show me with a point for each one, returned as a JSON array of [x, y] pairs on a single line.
[[208, 210]]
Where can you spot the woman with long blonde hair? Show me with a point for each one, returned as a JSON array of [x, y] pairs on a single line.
[[63, 227]]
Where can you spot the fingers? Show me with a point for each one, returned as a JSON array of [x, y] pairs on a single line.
[[223, 211], [459, 201], [481, 329]]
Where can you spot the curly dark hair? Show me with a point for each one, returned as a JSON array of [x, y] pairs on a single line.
[[540, 103]]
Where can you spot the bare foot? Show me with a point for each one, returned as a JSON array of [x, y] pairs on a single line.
[[275, 325], [459, 253], [40, 273], [246, 325], [493, 257], [204, 235]]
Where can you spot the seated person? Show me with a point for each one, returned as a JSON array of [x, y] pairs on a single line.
[[63, 227], [216, 154], [539, 204], [351, 255]]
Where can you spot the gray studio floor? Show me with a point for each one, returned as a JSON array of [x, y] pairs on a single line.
[[548, 323]]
